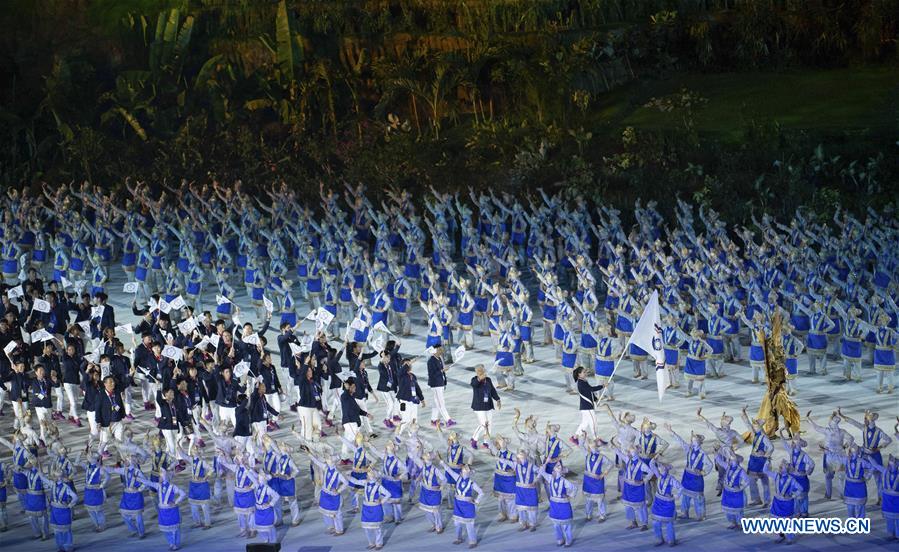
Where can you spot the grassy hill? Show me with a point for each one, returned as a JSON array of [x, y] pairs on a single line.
[[852, 99]]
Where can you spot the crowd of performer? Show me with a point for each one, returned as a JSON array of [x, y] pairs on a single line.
[[346, 283]]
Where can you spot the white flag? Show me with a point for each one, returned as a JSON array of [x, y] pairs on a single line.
[[164, 306], [324, 316], [241, 368], [177, 303], [131, 287], [219, 300], [85, 326], [202, 344], [14, 292], [269, 306], [214, 339], [358, 324], [172, 352], [458, 353], [40, 335], [251, 339], [10, 346], [187, 326], [65, 282], [306, 343], [381, 327], [648, 336], [378, 343], [78, 285], [295, 349], [97, 312], [41, 306], [126, 328]]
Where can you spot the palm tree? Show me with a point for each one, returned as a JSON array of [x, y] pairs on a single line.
[[400, 78], [444, 79]]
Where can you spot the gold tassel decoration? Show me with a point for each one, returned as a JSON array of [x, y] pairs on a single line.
[[776, 403]]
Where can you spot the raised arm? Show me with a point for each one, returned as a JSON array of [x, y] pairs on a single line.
[[677, 438], [850, 421]]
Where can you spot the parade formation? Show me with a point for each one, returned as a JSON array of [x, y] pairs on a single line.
[[261, 362]]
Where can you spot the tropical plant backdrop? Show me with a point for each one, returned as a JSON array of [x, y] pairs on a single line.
[[739, 104]]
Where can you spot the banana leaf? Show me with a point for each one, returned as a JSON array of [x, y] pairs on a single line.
[[128, 117], [207, 72], [180, 46], [286, 55]]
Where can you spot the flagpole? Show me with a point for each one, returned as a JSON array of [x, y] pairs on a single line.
[[612, 375]]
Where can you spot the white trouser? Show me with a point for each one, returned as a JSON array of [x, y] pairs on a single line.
[[588, 424], [116, 429], [126, 397], [438, 409], [19, 410], [245, 443], [366, 424], [146, 390], [403, 324], [171, 441], [259, 430], [227, 413], [195, 414], [485, 422], [306, 424], [390, 403], [43, 419], [274, 399], [71, 389], [408, 412], [60, 393], [331, 401], [316, 420], [92, 424], [349, 433]]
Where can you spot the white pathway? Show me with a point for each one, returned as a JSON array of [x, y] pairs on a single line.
[[540, 392]]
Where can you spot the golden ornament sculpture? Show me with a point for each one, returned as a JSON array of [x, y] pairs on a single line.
[[776, 403]]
